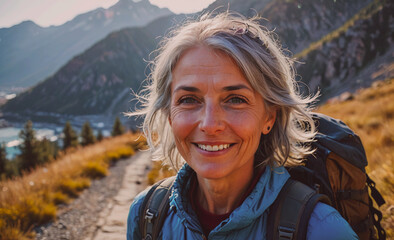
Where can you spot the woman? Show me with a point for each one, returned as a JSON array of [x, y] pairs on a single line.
[[223, 99]]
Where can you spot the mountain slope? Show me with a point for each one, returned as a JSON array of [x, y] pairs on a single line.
[[342, 60], [297, 23], [91, 81], [29, 53]]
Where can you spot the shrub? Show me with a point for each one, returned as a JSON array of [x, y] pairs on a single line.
[[73, 187], [95, 170], [18, 219], [59, 198], [122, 152]]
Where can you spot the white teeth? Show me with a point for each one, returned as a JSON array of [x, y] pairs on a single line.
[[213, 148]]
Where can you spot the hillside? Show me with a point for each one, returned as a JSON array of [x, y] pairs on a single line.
[[38, 197], [30, 53], [98, 81], [307, 21], [345, 59], [91, 81], [370, 113]]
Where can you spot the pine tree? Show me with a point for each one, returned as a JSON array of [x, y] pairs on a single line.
[[118, 128], [100, 136], [29, 156], [3, 158], [87, 135], [70, 136], [48, 150]]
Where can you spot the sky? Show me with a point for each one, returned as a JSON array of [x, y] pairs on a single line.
[[56, 12]]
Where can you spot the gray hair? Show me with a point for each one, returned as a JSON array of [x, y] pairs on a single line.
[[264, 65]]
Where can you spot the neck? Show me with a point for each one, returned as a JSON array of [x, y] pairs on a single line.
[[221, 196]]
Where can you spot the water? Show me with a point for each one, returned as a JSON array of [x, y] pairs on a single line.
[[10, 137]]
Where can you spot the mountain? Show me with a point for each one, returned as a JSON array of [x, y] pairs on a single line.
[[297, 23], [352, 57], [30, 53], [98, 81], [90, 81]]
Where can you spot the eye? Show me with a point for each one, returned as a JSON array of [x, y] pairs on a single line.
[[237, 100], [187, 100]]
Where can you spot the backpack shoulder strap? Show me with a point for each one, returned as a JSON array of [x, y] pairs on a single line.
[[153, 210], [289, 215]]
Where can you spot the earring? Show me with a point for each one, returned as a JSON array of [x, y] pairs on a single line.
[[268, 128]]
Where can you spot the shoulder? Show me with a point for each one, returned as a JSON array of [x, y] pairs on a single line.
[[327, 223], [133, 231]]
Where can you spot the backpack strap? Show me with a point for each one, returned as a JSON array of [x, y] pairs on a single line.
[[153, 210], [377, 215], [288, 217]]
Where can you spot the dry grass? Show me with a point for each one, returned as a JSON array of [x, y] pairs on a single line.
[[31, 200], [371, 115], [158, 172]]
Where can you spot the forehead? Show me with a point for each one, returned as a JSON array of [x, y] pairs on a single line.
[[205, 65]]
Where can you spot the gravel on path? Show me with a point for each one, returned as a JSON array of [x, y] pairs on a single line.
[[87, 216]]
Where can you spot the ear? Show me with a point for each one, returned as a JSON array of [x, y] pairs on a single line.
[[269, 121], [169, 120]]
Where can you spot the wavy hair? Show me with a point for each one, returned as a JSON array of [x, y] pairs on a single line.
[[265, 66]]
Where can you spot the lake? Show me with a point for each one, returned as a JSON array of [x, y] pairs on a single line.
[[10, 137]]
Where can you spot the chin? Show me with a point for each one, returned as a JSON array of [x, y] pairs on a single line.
[[211, 171]]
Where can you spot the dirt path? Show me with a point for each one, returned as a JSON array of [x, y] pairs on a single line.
[[113, 221], [100, 212]]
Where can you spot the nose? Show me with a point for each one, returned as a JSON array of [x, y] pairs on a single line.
[[212, 119]]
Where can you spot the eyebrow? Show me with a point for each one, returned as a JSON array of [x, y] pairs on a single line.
[[187, 88], [227, 88], [236, 87]]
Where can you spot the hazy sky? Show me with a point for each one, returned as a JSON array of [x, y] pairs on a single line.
[[57, 12]]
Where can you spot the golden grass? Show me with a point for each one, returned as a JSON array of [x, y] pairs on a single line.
[[31, 200], [159, 171], [371, 115]]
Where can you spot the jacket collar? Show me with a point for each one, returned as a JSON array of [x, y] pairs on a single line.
[[262, 196]]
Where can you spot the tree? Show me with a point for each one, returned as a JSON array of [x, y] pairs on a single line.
[[47, 149], [118, 128], [70, 136], [87, 134], [100, 135], [3, 158], [29, 156]]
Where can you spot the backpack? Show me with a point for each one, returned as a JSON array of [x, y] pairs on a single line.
[[334, 174]]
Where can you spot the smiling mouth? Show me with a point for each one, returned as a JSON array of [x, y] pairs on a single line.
[[213, 148]]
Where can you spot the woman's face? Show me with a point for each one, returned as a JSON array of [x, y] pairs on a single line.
[[216, 116]]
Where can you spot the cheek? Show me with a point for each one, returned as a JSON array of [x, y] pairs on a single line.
[[182, 122], [246, 124]]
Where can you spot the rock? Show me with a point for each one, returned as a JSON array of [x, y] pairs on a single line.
[[346, 96]]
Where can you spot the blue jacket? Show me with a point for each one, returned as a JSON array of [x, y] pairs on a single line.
[[248, 221]]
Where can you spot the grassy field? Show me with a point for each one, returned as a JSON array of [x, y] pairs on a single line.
[[32, 199], [370, 113]]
